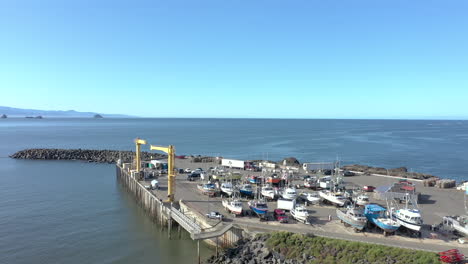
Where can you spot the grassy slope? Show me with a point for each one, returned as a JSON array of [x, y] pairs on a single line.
[[327, 250]]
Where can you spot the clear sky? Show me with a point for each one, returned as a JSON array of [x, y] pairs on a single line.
[[228, 58]]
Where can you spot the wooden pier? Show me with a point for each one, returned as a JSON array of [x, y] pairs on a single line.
[[171, 214]]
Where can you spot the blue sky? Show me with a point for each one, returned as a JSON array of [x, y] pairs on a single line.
[[275, 59]]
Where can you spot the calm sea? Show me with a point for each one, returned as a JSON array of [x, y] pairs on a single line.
[[75, 212]]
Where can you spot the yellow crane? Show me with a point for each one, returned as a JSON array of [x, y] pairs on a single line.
[[138, 143], [170, 150]]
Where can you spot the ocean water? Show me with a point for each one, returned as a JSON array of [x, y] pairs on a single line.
[[75, 212]]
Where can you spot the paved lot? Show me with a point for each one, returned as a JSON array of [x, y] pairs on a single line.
[[434, 204]]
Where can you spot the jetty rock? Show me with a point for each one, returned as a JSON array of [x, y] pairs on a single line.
[[98, 156], [291, 161], [397, 172]]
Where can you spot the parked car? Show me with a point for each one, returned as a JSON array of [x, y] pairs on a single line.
[[327, 172], [214, 215], [368, 188], [181, 171], [349, 173], [280, 216], [193, 176], [187, 170]]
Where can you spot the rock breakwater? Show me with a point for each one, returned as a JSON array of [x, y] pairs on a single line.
[[397, 172], [99, 156], [286, 247]]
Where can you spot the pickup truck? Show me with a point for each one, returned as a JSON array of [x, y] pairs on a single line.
[[280, 216], [214, 215]]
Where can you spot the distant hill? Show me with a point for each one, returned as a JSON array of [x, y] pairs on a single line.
[[19, 112]]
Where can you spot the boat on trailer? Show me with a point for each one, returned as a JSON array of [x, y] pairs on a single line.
[[246, 190], [362, 200], [233, 206], [377, 215], [352, 216], [289, 193], [301, 214], [207, 188], [335, 198], [268, 192], [227, 188], [409, 217], [259, 207]]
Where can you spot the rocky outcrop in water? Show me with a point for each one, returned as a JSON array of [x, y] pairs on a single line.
[[99, 156], [399, 172]]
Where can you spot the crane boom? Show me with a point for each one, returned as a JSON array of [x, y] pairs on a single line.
[[170, 150]]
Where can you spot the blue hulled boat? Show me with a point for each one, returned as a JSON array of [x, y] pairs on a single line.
[[259, 207], [246, 190], [377, 214]]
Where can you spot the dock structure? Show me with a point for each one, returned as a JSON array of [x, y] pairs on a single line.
[[170, 213], [190, 206]]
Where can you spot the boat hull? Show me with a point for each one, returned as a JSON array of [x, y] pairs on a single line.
[[245, 192], [227, 191], [331, 199], [259, 211], [385, 227], [409, 225], [300, 218], [269, 195]]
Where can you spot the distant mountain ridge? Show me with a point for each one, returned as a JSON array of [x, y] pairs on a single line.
[[20, 112]]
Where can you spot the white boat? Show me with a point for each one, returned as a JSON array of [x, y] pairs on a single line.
[[207, 188], [289, 193], [409, 218], [300, 213], [353, 217], [325, 182], [233, 206], [268, 192], [333, 197], [310, 182], [456, 223], [312, 198], [227, 188], [362, 199]]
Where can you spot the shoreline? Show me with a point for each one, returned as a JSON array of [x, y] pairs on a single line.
[[112, 156]]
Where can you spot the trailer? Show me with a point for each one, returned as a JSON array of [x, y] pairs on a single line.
[[286, 204], [318, 166], [231, 163]]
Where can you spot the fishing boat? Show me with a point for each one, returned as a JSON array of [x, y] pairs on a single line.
[[273, 179], [268, 192], [353, 217], [325, 182], [207, 188], [456, 223], [378, 215], [300, 213], [259, 207], [227, 188], [311, 183], [362, 200], [289, 193], [409, 218], [233, 206], [312, 198], [255, 179], [246, 189], [335, 198]]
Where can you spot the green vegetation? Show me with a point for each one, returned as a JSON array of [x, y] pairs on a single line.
[[327, 250]]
